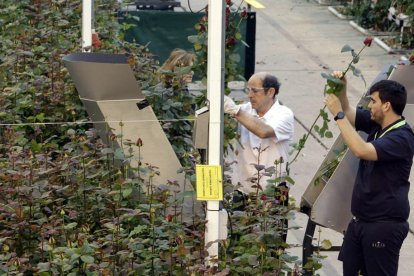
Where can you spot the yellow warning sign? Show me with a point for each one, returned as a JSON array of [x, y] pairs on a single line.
[[255, 4], [209, 182]]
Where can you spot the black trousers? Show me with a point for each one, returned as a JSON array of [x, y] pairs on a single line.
[[372, 248]]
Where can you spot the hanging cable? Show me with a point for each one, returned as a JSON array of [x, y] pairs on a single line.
[[189, 7]]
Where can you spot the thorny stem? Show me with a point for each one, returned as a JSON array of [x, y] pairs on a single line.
[[352, 61], [84, 187], [259, 176], [262, 263], [323, 109], [307, 135]]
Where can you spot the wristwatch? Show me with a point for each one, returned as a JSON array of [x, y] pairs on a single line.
[[339, 115]]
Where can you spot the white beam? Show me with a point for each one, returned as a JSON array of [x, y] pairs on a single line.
[[215, 89], [87, 25]]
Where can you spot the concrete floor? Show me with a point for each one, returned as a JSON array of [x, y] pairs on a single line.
[[296, 40]]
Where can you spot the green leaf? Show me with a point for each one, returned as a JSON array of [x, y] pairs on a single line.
[[43, 267], [110, 226], [86, 249], [35, 147], [326, 76], [328, 134], [289, 179], [355, 71], [26, 53], [197, 46], [186, 194], [119, 154], [62, 23], [21, 141], [235, 57], [390, 69], [74, 258], [193, 39], [363, 79], [238, 36], [258, 167], [308, 265], [40, 117], [87, 259], [335, 81], [245, 43], [252, 259], [126, 192], [138, 230], [107, 151], [346, 48], [136, 18], [70, 226], [326, 244]]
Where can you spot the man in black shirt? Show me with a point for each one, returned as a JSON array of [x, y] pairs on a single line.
[[379, 204]]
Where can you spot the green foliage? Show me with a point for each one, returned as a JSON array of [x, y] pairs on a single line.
[[73, 210], [256, 245], [375, 17], [372, 16], [67, 206], [324, 130], [36, 87], [329, 167]]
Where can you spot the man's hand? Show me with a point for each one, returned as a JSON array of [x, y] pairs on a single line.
[[340, 75], [230, 107], [333, 104]]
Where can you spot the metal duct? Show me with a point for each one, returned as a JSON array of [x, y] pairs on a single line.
[[110, 93]]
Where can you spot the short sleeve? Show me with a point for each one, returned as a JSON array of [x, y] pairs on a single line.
[[395, 145], [282, 123]]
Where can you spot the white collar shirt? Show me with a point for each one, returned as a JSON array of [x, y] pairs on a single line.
[[281, 119]]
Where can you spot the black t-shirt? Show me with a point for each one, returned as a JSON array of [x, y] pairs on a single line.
[[381, 187]]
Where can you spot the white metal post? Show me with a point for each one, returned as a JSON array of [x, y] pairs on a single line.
[[215, 89], [87, 25]]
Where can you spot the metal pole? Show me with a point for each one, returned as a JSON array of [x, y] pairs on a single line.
[[215, 89], [86, 25]]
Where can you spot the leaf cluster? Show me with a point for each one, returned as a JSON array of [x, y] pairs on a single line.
[[256, 245], [73, 210], [376, 17], [71, 205]]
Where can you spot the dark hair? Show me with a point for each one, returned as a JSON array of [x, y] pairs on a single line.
[[270, 81], [392, 92]]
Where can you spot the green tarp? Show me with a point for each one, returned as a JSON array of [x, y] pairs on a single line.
[[166, 30]]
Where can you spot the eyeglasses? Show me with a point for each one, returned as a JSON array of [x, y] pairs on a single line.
[[254, 89]]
